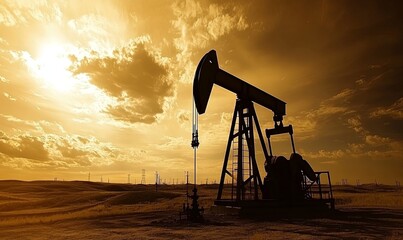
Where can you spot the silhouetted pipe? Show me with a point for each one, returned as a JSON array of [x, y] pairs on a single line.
[[208, 73]]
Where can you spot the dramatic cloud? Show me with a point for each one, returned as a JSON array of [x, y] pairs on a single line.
[[23, 147], [393, 111], [47, 145], [200, 24], [53, 151], [135, 77], [355, 123], [20, 12]]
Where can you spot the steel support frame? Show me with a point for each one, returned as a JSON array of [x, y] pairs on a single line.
[[244, 130]]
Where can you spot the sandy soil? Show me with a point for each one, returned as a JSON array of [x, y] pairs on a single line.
[[86, 210]]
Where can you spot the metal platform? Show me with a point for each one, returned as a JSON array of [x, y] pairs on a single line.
[[318, 197]]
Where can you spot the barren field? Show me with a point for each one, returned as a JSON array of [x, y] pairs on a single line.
[[89, 210]]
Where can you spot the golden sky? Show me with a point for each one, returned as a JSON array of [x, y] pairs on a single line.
[[105, 86]]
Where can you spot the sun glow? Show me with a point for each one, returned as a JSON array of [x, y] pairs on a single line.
[[52, 68]]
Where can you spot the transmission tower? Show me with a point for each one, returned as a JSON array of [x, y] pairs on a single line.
[[157, 178], [143, 176]]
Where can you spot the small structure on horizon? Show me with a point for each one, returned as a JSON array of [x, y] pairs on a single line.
[[143, 176]]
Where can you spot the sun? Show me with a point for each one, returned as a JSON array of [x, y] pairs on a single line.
[[52, 67]]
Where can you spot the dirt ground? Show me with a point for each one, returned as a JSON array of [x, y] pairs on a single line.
[[87, 210]]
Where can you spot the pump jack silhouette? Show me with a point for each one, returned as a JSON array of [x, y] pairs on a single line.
[[248, 189]]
